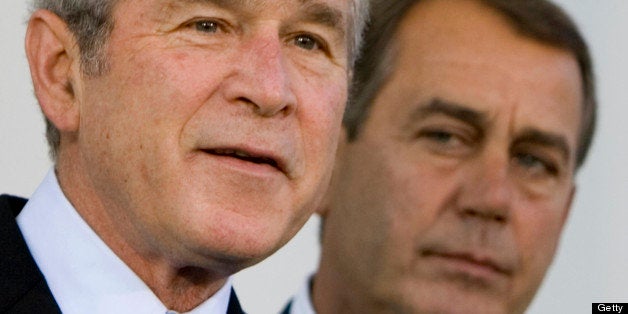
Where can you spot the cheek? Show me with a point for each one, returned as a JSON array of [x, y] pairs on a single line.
[[168, 82], [537, 227], [390, 209], [422, 187], [136, 113], [319, 116], [165, 95], [361, 226], [321, 101]]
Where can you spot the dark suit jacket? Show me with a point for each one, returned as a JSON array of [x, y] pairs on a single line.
[[286, 310], [23, 288]]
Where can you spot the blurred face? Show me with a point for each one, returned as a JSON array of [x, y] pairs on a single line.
[[212, 134], [454, 194]]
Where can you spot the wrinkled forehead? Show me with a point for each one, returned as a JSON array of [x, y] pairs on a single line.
[[477, 41], [330, 12]]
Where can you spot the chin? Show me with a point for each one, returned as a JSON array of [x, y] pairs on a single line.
[[451, 305], [434, 299], [241, 240]]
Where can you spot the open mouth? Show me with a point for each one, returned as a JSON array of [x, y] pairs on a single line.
[[245, 156]]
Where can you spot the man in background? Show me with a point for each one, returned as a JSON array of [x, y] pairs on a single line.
[[191, 139], [455, 174]]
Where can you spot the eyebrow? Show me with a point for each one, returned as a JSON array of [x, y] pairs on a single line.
[[451, 109], [544, 138]]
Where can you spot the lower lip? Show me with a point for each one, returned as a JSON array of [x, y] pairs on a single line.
[[245, 167], [456, 265]]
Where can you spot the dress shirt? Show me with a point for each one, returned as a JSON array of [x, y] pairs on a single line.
[[302, 301], [83, 273]]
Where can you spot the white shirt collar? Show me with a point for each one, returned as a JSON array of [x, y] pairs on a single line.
[[84, 275], [302, 301]]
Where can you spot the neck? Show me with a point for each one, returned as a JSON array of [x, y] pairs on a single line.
[[333, 292], [180, 284], [329, 296], [182, 289]]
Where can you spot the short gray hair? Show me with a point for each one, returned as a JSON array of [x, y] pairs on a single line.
[[356, 30], [91, 23]]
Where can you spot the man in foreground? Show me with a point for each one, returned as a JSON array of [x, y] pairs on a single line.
[[191, 139], [456, 173]]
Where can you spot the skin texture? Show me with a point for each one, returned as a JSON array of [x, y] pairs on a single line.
[[453, 196], [148, 149]]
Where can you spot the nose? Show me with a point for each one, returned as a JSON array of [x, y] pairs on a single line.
[[488, 190], [261, 78]]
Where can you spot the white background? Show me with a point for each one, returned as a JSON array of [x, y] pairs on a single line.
[[592, 263]]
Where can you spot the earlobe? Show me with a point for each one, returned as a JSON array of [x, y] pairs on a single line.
[[54, 63]]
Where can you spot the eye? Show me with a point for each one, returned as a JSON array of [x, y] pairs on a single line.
[[439, 136], [445, 141], [308, 42], [444, 138], [536, 165], [207, 26]]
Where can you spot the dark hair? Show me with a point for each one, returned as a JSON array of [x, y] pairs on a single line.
[[539, 20]]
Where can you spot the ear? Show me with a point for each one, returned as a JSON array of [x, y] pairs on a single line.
[[54, 62], [340, 151]]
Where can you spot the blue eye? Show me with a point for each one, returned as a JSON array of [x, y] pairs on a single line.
[[534, 163], [307, 42], [440, 136], [207, 26], [445, 142]]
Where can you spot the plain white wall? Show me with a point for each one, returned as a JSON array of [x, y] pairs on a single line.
[[591, 265]]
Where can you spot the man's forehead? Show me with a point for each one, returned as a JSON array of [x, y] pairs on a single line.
[[329, 13], [336, 7]]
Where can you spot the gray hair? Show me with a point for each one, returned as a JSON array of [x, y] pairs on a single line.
[[360, 12], [91, 22], [538, 20]]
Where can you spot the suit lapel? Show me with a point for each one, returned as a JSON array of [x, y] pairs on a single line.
[[23, 288], [234, 304], [286, 310]]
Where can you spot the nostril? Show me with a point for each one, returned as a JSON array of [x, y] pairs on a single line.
[[250, 104], [483, 214], [268, 107], [470, 212], [499, 218]]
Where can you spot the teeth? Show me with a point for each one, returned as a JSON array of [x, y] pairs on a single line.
[[242, 154], [232, 152]]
